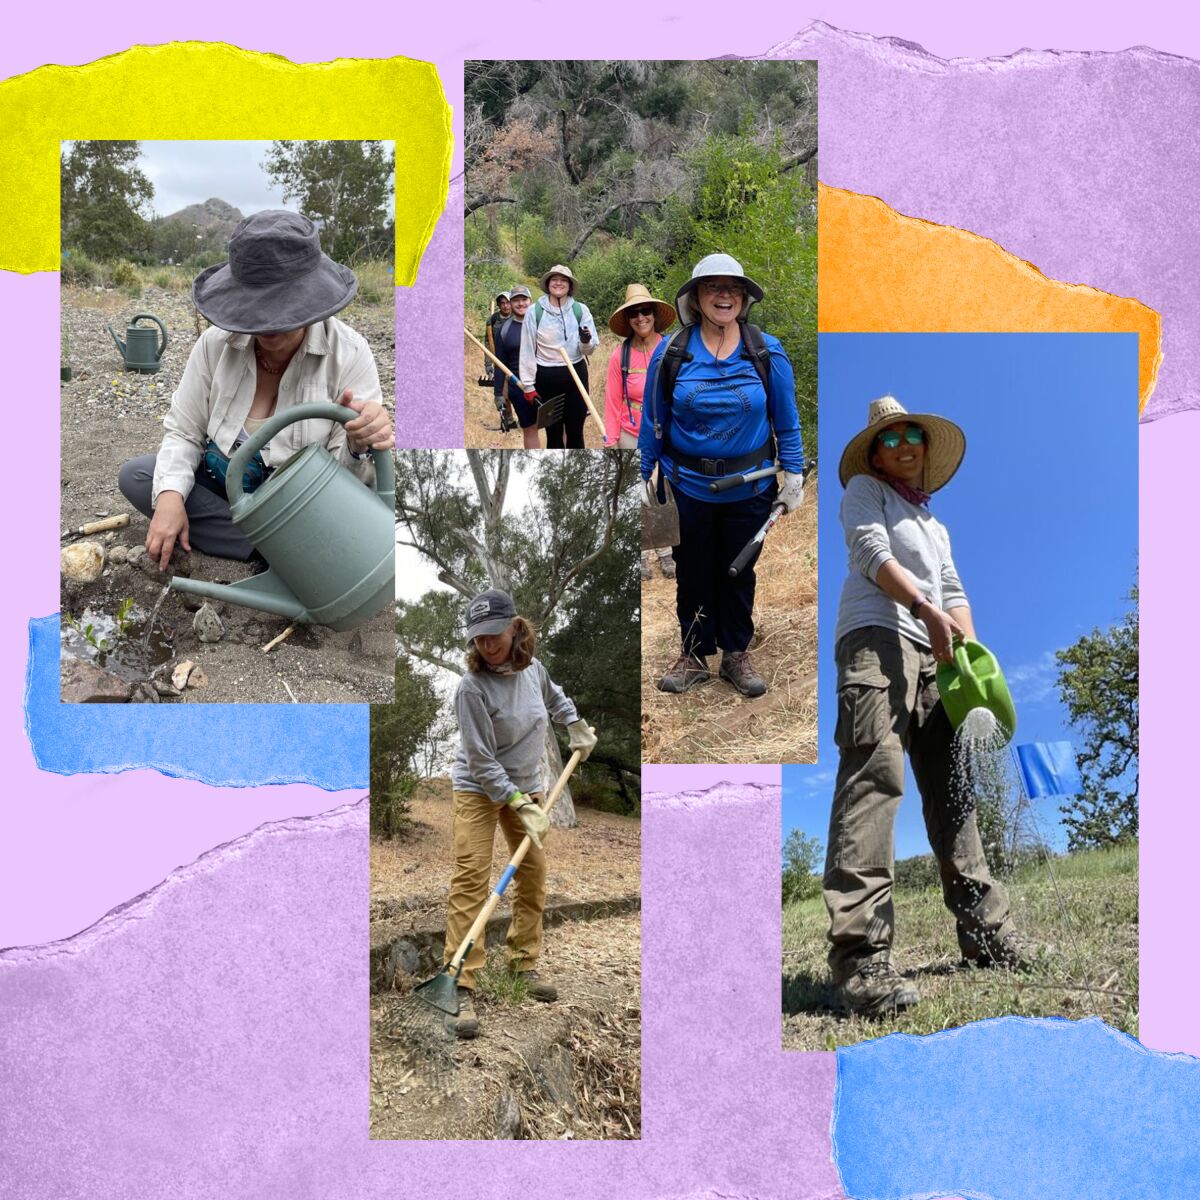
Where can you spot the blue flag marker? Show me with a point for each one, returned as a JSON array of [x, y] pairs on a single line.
[[1048, 769]]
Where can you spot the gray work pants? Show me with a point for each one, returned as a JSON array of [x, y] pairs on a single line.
[[210, 526], [887, 704]]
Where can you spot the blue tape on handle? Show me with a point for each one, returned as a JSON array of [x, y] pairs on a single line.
[[509, 872]]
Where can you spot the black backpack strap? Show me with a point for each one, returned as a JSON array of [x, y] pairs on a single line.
[[626, 350], [674, 356], [754, 347]]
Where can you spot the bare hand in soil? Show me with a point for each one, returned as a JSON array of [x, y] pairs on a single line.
[[372, 428], [170, 523]]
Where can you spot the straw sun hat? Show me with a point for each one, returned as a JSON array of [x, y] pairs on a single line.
[[637, 294], [945, 443]]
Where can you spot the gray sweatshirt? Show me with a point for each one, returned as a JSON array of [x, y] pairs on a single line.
[[503, 721], [880, 525]]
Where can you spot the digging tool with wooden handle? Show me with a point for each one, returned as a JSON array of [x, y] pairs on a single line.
[[494, 359], [587, 399], [117, 522], [480, 922]]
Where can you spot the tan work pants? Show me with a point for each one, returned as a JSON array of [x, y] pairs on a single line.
[[888, 703], [475, 820]]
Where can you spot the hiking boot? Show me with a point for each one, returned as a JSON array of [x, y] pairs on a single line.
[[688, 671], [875, 990], [538, 987], [667, 565], [737, 668], [1012, 952], [646, 572], [466, 1024]]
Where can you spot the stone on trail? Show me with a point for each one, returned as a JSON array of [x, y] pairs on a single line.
[[84, 561], [207, 625], [86, 683], [179, 676], [197, 678]]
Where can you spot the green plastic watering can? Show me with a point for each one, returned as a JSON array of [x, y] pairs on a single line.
[[974, 680], [141, 349], [329, 541]]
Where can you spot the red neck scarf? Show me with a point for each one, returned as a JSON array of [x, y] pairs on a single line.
[[906, 491]]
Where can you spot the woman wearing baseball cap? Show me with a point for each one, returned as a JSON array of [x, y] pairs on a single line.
[[504, 704], [274, 343]]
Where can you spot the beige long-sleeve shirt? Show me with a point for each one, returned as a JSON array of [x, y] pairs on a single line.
[[214, 397]]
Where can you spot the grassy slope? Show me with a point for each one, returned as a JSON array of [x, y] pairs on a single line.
[[1096, 948]]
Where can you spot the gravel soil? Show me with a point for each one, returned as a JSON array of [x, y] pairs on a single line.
[[109, 415]]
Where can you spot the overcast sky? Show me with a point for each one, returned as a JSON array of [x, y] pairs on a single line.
[[186, 173]]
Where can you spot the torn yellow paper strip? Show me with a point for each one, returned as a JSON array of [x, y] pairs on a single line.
[[194, 90], [883, 272]]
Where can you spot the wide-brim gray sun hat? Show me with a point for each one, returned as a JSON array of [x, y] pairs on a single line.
[[277, 278], [706, 268], [565, 272], [491, 612], [945, 444]]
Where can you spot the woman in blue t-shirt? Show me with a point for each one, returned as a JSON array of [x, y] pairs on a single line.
[[719, 419]]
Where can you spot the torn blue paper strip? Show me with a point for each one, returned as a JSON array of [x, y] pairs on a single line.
[[226, 745]]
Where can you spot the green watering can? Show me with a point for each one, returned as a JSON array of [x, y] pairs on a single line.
[[329, 541], [974, 680], [141, 349]]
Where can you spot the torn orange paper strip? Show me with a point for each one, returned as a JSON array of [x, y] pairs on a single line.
[[883, 272], [193, 90]]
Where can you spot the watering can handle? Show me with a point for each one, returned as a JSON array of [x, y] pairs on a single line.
[[385, 471], [966, 676], [152, 317]]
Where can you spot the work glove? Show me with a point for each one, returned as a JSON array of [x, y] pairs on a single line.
[[532, 396], [583, 738], [791, 493], [535, 821], [585, 334]]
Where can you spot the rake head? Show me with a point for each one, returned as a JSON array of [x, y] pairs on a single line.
[[550, 411]]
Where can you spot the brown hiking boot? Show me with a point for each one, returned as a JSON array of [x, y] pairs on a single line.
[[688, 671], [466, 1024], [876, 990], [1012, 952], [538, 987], [737, 668]]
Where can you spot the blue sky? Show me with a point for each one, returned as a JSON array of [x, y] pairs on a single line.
[[1042, 514]]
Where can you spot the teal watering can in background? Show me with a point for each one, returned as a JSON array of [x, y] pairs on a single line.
[[141, 348], [974, 680], [328, 539]]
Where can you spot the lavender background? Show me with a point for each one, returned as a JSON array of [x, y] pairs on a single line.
[[157, 1051]]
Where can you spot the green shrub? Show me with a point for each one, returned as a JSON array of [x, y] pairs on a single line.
[[79, 269], [541, 250], [918, 873], [389, 805], [163, 279], [124, 274], [605, 270]]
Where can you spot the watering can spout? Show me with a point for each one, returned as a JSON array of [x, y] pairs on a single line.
[[266, 592], [120, 344]]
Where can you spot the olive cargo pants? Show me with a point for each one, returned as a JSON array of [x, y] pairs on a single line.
[[475, 820], [888, 703]]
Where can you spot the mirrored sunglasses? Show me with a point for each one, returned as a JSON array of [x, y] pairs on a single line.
[[914, 435]]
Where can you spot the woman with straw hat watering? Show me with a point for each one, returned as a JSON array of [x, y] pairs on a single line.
[[274, 343], [504, 704], [557, 320], [722, 399], [901, 607], [639, 323]]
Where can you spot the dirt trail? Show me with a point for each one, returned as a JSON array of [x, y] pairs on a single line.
[[713, 723], [109, 415]]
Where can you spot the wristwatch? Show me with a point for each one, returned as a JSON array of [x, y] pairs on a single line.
[[915, 606]]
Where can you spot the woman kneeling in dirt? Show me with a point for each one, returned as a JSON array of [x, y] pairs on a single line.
[[901, 607], [504, 705], [274, 343], [723, 398]]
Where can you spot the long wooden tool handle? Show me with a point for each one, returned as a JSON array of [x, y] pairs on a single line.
[[517, 859], [493, 358], [562, 350], [118, 522]]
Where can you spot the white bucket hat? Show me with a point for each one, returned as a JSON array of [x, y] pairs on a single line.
[[706, 268], [945, 444]]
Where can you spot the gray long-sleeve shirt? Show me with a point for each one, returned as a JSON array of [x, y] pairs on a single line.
[[503, 720], [880, 525]]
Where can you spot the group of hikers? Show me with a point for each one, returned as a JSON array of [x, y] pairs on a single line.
[[722, 401]]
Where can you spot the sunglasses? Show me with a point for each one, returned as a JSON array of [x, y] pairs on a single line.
[[913, 435], [646, 311], [716, 289]]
